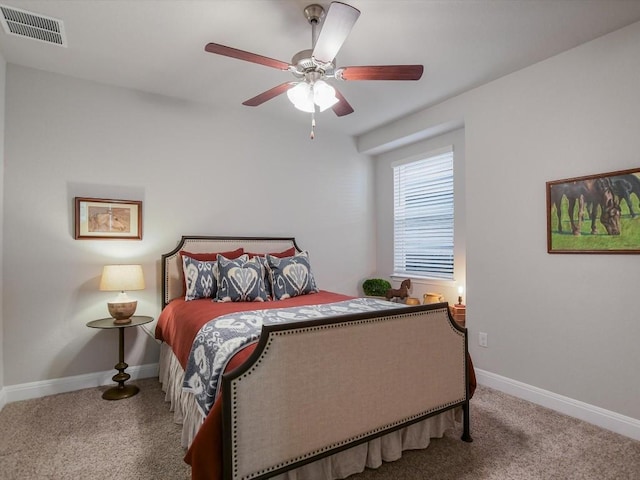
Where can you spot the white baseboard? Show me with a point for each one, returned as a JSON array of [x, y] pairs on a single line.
[[3, 398], [26, 391], [627, 426]]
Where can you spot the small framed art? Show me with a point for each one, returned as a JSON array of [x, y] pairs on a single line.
[[98, 218], [594, 214]]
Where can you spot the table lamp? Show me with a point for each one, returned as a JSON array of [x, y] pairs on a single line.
[[120, 278]]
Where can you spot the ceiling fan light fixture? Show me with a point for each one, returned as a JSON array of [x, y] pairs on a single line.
[[305, 96], [302, 97], [324, 95]]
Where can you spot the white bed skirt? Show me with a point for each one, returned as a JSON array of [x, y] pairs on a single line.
[[340, 465]]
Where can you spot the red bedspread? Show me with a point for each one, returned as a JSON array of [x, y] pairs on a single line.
[[178, 325], [180, 321]]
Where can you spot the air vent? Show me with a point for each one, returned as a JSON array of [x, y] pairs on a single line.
[[32, 25]]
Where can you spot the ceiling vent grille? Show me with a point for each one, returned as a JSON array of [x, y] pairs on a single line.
[[32, 25]]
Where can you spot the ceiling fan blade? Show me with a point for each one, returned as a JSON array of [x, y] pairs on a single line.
[[335, 29], [246, 56], [381, 72], [269, 94], [342, 108]]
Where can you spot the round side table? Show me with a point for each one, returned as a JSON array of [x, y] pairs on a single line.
[[121, 390]]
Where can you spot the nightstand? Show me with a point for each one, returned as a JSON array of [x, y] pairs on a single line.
[[459, 313], [121, 390]]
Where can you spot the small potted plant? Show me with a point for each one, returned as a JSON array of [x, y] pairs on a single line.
[[375, 287]]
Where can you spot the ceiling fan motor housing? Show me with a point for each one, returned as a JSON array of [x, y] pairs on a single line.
[[303, 63]]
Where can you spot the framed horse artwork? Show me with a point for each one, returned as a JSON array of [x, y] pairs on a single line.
[[594, 214], [97, 218]]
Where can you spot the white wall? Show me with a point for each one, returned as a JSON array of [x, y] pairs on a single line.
[[566, 324], [197, 170]]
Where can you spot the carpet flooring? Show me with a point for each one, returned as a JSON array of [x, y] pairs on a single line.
[[78, 435]]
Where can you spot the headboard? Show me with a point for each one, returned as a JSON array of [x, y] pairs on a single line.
[[172, 276]]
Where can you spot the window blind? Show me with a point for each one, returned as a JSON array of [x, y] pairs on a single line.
[[423, 217]]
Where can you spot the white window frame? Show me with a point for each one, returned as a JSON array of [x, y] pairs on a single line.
[[424, 251]]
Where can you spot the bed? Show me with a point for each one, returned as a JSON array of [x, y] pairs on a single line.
[[321, 386]]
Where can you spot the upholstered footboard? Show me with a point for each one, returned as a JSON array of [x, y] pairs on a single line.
[[314, 389]]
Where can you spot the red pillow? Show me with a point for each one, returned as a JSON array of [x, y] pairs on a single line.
[[207, 257], [212, 257], [289, 252]]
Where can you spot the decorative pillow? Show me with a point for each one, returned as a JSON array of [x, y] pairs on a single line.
[[291, 276], [198, 277], [289, 252], [207, 257], [266, 278], [241, 280], [213, 256]]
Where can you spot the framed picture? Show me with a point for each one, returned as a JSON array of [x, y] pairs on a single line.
[[594, 214], [98, 218]]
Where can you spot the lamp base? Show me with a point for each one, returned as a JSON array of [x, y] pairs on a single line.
[[122, 311], [118, 393], [121, 321]]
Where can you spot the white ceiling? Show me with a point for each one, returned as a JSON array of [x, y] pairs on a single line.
[[158, 46]]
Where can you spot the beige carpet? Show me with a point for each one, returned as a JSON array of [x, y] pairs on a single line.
[[517, 440], [80, 436]]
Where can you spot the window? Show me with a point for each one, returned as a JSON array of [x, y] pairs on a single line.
[[423, 216]]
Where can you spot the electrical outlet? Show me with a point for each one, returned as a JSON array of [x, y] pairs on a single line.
[[482, 339]]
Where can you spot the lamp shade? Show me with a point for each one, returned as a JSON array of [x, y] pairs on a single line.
[[121, 278]]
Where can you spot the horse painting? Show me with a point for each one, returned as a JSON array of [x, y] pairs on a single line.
[[595, 192], [102, 219], [624, 186]]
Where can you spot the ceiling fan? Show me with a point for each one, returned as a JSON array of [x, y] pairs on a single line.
[[312, 67]]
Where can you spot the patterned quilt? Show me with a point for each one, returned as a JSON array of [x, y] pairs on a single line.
[[219, 339]]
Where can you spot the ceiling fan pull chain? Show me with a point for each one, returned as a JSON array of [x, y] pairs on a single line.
[[313, 125]]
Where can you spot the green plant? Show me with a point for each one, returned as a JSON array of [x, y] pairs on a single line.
[[375, 287]]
